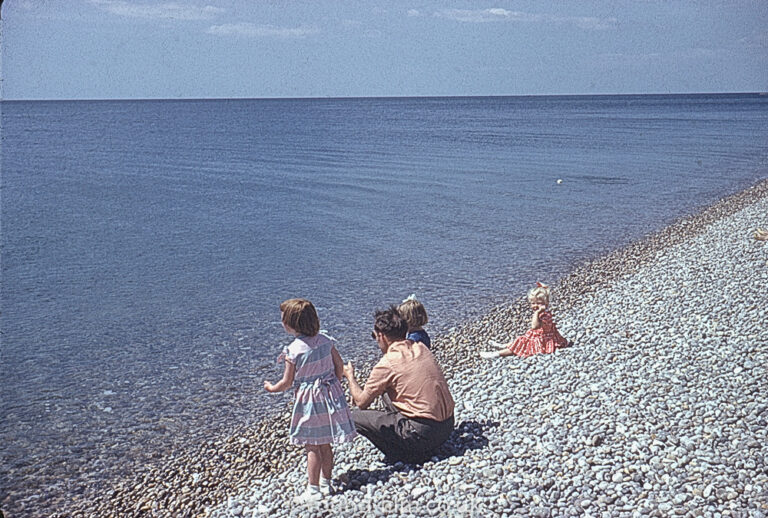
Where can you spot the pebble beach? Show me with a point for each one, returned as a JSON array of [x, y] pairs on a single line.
[[658, 408]]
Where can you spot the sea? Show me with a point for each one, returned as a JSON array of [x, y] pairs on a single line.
[[147, 244]]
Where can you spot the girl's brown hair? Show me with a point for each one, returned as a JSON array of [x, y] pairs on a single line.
[[300, 315]]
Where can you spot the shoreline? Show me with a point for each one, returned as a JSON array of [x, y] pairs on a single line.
[[457, 352], [220, 477]]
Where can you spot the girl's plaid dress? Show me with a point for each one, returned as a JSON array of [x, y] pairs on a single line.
[[543, 340], [320, 411]]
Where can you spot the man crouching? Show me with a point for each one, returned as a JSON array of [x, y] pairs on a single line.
[[419, 407]]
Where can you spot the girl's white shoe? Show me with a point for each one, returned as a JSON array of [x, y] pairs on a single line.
[[489, 354], [497, 344], [310, 495]]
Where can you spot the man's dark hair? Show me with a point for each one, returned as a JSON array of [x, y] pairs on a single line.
[[390, 323]]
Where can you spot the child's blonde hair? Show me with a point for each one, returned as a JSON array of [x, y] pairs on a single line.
[[413, 312], [300, 315], [539, 293]]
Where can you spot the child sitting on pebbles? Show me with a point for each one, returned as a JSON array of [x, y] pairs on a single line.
[[542, 338], [320, 415], [414, 313]]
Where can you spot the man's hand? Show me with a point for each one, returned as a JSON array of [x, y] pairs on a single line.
[[359, 397]]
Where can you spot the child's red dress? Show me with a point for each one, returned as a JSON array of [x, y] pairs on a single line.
[[543, 340]]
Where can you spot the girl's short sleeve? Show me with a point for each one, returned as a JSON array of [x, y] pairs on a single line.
[[292, 351], [290, 356]]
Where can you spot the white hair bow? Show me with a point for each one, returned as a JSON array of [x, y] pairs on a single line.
[[412, 296]]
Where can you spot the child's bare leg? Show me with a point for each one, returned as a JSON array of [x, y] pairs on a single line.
[[326, 454], [505, 351], [314, 464]]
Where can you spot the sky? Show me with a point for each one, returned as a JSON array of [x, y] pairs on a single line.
[[121, 49]]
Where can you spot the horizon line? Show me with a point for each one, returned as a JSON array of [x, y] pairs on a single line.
[[352, 97]]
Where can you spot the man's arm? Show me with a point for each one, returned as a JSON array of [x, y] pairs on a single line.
[[359, 397]]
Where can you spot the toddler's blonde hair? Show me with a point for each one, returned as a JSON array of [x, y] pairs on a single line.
[[539, 293], [413, 312]]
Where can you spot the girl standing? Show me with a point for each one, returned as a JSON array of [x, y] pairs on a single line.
[[543, 336], [320, 417]]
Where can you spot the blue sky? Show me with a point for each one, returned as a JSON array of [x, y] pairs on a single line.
[[115, 49]]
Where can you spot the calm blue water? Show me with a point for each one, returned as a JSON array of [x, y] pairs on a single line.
[[146, 245]]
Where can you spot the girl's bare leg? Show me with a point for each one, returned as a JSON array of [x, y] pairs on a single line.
[[314, 463], [505, 352], [326, 454]]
